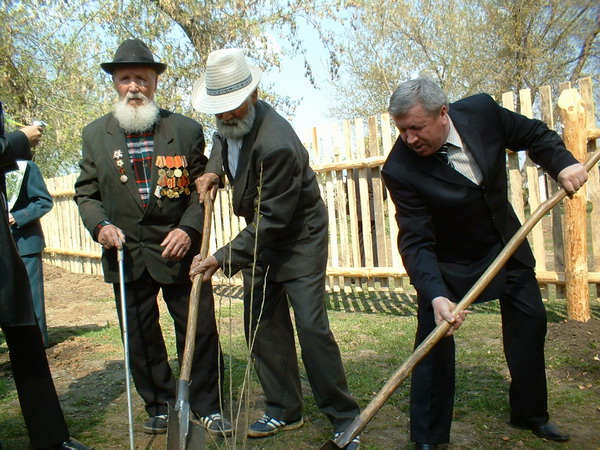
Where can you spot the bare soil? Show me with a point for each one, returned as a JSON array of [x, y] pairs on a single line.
[[89, 377]]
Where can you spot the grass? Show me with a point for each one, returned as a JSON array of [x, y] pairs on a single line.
[[375, 333]]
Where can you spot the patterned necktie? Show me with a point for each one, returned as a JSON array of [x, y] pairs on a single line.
[[442, 155]]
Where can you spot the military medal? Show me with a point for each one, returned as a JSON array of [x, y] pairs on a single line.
[[118, 157], [173, 176]]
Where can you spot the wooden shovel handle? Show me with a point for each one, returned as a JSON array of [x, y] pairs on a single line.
[[440, 331], [192, 322]]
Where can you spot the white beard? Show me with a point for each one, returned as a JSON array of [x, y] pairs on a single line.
[[237, 129], [136, 119]]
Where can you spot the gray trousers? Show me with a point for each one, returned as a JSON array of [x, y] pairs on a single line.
[[270, 336]]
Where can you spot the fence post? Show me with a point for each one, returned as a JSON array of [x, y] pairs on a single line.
[[572, 114]]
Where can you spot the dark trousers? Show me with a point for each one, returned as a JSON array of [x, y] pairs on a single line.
[[34, 266], [523, 331], [150, 369], [41, 409], [270, 337]]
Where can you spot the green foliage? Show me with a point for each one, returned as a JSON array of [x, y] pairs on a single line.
[[50, 54], [467, 46], [50, 51]]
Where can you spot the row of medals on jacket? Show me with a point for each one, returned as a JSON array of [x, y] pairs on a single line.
[[173, 176]]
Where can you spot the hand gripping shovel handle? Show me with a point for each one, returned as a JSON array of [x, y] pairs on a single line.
[[440, 331], [121, 261]]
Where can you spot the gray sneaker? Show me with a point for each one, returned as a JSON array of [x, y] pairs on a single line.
[[267, 426], [216, 425], [156, 424]]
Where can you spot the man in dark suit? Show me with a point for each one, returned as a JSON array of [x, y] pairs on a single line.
[[30, 201], [447, 177], [282, 252], [135, 190], [41, 409]]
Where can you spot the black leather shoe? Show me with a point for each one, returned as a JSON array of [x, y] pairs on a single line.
[[72, 444], [549, 431], [420, 446]]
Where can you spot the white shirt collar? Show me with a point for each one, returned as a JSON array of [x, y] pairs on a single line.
[[453, 136]]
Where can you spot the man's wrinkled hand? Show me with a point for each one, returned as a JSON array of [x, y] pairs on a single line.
[[572, 178], [176, 244], [111, 236], [207, 267], [442, 311], [209, 182]]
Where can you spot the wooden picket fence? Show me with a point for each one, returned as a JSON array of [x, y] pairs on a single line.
[[363, 253]]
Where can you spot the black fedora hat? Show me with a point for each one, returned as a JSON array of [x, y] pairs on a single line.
[[133, 52]]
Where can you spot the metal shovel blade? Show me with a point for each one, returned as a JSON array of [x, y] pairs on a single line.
[[182, 432]]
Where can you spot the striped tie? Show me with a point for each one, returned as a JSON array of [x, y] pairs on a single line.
[[442, 155]]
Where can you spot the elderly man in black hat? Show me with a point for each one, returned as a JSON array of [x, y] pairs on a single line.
[[136, 191], [282, 252]]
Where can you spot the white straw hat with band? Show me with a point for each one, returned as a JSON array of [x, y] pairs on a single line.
[[227, 82]]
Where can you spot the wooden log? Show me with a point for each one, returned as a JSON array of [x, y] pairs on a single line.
[[360, 163], [66, 252], [352, 202], [390, 209], [364, 216], [593, 183], [533, 190], [515, 178], [559, 277], [366, 272], [555, 213], [572, 113]]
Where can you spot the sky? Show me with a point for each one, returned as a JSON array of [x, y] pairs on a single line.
[[290, 80]]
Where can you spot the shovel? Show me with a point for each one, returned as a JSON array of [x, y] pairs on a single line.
[[182, 432], [361, 421]]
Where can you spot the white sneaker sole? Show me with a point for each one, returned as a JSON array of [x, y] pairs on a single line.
[[286, 427]]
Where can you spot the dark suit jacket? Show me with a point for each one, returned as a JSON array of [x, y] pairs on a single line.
[[277, 193], [101, 195], [16, 307], [32, 203], [450, 228]]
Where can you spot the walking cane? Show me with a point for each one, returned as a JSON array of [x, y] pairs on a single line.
[[125, 343]]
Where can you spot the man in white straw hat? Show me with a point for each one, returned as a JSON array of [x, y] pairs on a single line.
[[282, 252], [135, 191]]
